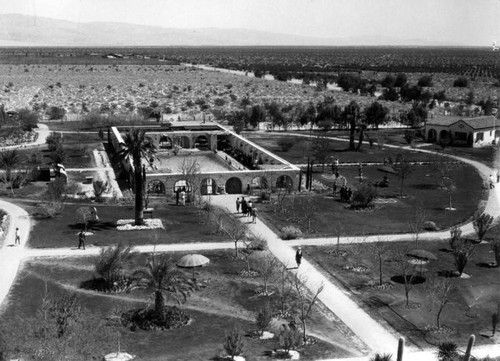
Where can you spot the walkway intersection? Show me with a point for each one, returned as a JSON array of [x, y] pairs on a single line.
[[378, 336]]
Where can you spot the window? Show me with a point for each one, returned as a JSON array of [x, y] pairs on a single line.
[[479, 136]]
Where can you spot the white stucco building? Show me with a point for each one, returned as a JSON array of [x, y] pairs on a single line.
[[463, 131]]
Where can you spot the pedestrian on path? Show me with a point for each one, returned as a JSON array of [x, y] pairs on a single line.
[[498, 176], [238, 204], [492, 181], [244, 208], [17, 239], [183, 197], [298, 256], [81, 239], [254, 215], [249, 208]]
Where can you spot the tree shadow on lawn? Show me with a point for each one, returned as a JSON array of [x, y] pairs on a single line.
[[410, 279], [99, 226], [487, 265]]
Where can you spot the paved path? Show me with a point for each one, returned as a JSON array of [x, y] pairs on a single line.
[[43, 132], [379, 337]]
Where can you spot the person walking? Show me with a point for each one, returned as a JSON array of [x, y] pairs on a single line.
[[177, 193], [498, 176], [298, 256], [238, 204], [492, 181], [254, 215], [183, 197], [17, 239], [81, 239]]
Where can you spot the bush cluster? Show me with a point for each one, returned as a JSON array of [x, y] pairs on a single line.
[[290, 232]]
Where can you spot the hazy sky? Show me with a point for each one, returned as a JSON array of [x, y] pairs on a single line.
[[462, 22]]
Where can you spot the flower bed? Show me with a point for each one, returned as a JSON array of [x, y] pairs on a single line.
[[128, 224]]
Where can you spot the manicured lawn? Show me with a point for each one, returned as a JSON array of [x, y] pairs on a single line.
[[392, 215], [489, 155], [302, 149], [472, 304], [228, 300], [182, 225]]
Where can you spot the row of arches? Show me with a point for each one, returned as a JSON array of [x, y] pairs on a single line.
[[209, 186], [200, 142]]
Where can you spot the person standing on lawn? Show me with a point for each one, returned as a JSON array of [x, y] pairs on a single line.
[[81, 239], [298, 256]]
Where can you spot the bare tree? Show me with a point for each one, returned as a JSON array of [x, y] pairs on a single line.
[[407, 270], [284, 287], [309, 210], [403, 170], [87, 215], [231, 227], [439, 295], [268, 267], [357, 250], [192, 175], [482, 223], [417, 220], [305, 302], [380, 249]]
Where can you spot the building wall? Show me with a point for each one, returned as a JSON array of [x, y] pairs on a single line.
[[490, 136]]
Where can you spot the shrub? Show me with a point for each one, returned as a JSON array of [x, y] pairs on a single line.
[[27, 119], [425, 81], [363, 196], [410, 136], [461, 82], [286, 143], [430, 226], [53, 141], [234, 343], [55, 112], [381, 357], [290, 232], [289, 339], [258, 243], [447, 351], [482, 222], [110, 266], [263, 319], [100, 187], [495, 247]]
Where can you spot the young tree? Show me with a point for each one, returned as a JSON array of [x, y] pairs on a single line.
[[161, 276], [439, 295], [284, 287], [309, 207], [381, 250], [321, 150], [462, 252], [100, 187], [305, 303], [136, 147], [403, 169], [482, 223], [192, 175], [263, 318], [87, 215], [417, 220], [289, 339], [268, 267], [234, 342], [234, 229], [407, 270]]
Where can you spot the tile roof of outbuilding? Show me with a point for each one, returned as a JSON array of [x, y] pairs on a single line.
[[474, 123]]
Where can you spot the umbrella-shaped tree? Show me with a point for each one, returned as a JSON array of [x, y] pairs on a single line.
[[137, 146], [162, 277]]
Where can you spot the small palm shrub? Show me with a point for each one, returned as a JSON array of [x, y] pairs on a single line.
[[381, 357], [290, 232]]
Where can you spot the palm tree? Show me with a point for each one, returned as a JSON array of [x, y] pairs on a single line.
[[137, 146], [9, 160], [162, 277]]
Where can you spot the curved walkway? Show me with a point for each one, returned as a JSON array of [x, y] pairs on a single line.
[[379, 337]]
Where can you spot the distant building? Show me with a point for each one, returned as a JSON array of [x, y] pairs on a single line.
[[463, 131]]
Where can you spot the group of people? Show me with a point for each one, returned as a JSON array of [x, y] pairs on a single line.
[[247, 208], [345, 194]]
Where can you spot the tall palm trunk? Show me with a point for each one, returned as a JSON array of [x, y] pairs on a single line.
[[139, 191], [159, 304], [352, 146]]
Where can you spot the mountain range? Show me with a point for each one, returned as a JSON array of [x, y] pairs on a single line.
[[25, 30]]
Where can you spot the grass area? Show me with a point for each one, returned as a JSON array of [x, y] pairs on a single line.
[[182, 225], [301, 150], [392, 216], [473, 300], [488, 155], [228, 300]]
